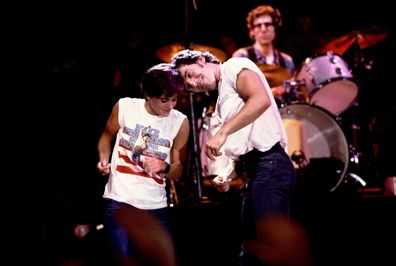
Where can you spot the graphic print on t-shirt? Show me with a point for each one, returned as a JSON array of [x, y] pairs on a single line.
[[138, 144]]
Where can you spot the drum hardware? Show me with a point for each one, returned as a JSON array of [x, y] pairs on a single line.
[[295, 92], [298, 157], [351, 176], [358, 60], [355, 163], [354, 160], [354, 153]]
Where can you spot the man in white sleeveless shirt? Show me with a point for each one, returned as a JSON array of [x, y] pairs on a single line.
[[252, 131]]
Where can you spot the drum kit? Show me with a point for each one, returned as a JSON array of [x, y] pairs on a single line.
[[320, 90], [317, 142]]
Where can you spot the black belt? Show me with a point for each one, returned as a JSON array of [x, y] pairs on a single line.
[[256, 152], [241, 165]]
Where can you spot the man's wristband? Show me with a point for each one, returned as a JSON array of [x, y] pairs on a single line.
[[165, 167]]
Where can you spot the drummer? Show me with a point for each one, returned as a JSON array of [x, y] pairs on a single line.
[[263, 22]]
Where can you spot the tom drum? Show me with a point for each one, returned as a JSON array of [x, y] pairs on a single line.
[[329, 82]]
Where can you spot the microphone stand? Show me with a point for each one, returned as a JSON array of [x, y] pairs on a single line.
[[196, 155]]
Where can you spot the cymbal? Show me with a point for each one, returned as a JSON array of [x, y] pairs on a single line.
[[275, 75], [364, 38], [166, 53]]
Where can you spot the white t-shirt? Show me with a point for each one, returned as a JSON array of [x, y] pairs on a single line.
[[128, 182], [265, 131]]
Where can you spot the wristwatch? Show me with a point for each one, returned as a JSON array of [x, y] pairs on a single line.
[[165, 167]]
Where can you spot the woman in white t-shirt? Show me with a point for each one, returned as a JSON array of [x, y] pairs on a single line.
[[138, 181]]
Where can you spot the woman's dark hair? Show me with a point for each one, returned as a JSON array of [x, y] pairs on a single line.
[[161, 79]]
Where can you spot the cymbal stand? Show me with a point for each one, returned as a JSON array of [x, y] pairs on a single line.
[[293, 91], [354, 153], [358, 57]]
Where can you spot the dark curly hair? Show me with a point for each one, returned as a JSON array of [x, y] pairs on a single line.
[[161, 79], [188, 57]]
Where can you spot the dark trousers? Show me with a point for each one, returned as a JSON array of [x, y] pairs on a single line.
[[117, 237], [272, 178]]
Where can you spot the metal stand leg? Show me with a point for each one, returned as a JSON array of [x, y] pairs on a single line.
[[198, 174]]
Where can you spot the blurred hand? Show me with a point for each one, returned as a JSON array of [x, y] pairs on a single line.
[[280, 242], [278, 91], [152, 165], [153, 242], [222, 184], [103, 167], [214, 144]]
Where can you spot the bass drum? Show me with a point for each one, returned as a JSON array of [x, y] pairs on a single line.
[[329, 82], [316, 145]]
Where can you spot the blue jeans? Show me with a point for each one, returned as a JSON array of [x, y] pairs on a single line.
[[117, 238], [272, 178]]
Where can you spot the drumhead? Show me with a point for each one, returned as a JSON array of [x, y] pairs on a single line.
[[316, 137]]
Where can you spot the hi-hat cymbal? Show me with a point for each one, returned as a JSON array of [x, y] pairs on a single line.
[[364, 38], [166, 53], [275, 75]]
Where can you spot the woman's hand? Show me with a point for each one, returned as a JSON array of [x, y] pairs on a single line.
[[103, 167]]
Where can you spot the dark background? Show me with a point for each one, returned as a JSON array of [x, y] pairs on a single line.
[[65, 56]]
